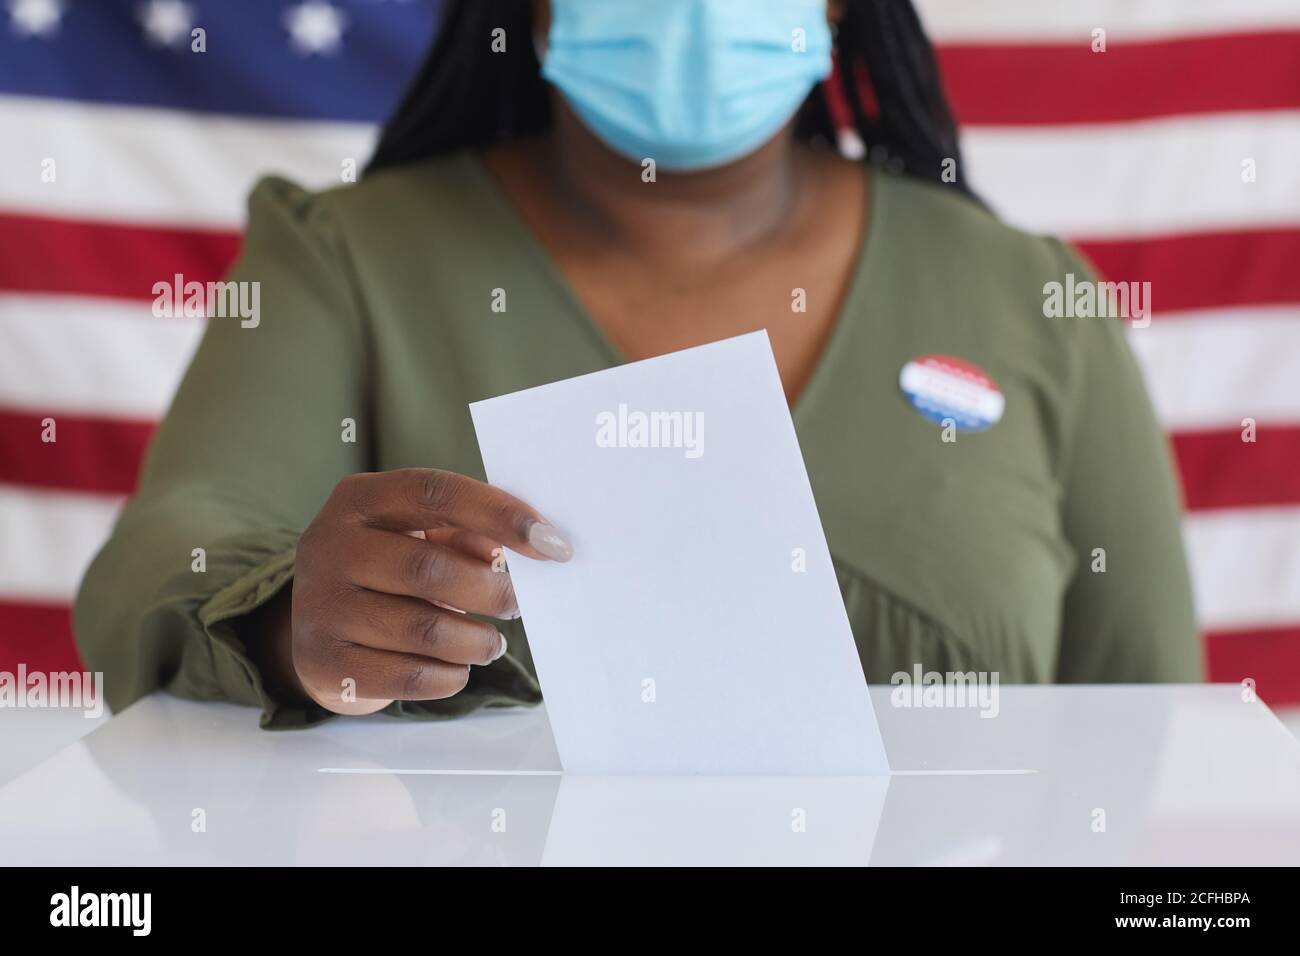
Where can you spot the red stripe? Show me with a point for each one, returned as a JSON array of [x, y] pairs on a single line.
[[1269, 656], [89, 454], [1219, 470], [866, 91], [74, 257], [38, 635], [1205, 270], [1191, 271], [1046, 83]]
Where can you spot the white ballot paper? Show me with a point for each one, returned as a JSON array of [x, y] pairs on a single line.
[[699, 628]]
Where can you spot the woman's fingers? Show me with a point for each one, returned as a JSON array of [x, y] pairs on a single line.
[[383, 573], [391, 623], [414, 499], [345, 673], [393, 563], [470, 542]]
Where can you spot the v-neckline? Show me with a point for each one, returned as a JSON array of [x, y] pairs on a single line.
[[855, 290]]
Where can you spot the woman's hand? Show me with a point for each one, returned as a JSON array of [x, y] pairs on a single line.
[[383, 577]]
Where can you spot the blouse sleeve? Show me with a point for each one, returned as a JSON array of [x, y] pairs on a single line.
[[1128, 613], [251, 448]]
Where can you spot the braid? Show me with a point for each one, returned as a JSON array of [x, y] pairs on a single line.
[[892, 85], [465, 95]]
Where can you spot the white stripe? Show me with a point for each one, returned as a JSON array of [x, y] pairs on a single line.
[[1056, 20], [1245, 563], [97, 356], [1245, 566], [1150, 177], [138, 165], [49, 539], [1211, 369]]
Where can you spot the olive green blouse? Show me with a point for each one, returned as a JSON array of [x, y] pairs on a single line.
[[1046, 548]]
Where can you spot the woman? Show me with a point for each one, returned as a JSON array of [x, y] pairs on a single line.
[[664, 178]]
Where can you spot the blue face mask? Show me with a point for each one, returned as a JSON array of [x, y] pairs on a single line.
[[691, 84]]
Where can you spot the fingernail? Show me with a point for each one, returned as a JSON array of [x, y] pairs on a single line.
[[501, 651], [548, 540]]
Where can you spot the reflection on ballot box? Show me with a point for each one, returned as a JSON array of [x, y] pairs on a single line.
[[1063, 775]]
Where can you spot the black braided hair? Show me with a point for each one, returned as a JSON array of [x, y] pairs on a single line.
[[886, 85]]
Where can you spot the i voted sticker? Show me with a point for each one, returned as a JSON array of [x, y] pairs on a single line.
[[942, 387]]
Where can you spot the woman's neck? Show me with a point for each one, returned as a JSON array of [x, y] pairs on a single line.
[[698, 216]]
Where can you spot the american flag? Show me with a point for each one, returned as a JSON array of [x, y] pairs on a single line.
[[1161, 136]]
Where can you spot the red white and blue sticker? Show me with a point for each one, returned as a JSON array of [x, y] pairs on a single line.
[[943, 387]]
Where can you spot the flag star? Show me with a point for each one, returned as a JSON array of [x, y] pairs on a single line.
[[315, 27], [31, 18], [167, 22]]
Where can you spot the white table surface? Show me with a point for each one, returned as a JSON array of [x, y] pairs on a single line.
[[1183, 775], [28, 737]]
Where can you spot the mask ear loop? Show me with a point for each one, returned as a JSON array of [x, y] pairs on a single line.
[[847, 139]]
